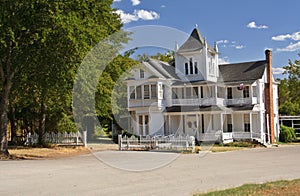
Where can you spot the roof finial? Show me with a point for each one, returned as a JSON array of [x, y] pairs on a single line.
[[176, 46], [196, 26], [216, 47]]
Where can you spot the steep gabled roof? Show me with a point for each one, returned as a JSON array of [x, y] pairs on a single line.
[[160, 68], [246, 72], [194, 43]]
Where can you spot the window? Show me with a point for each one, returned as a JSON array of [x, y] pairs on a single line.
[[247, 122], [146, 124], [139, 92], [196, 67], [142, 73], [212, 122], [191, 66], [211, 66], [146, 92], [229, 93], [254, 91], [201, 91], [177, 93], [174, 94], [186, 69], [141, 124], [202, 123], [132, 92], [246, 91], [195, 92], [153, 91], [188, 92], [229, 122]]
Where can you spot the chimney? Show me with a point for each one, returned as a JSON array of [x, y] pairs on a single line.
[[269, 102]]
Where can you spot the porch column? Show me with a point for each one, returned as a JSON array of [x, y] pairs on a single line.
[[216, 92], [222, 122], [232, 122], [183, 124], [250, 119], [197, 123], [144, 126], [137, 127], [169, 125], [251, 91]]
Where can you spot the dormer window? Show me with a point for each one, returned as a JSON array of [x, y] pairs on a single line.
[[191, 66], [142, 73], [196, 67], [186, 69]]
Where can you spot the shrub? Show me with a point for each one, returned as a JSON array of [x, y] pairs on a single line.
[[287, 134]]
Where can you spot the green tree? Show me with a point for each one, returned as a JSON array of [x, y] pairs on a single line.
[[289, 90], [45, 42], [166, 57]]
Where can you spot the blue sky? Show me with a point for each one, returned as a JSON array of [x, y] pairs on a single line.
[[242, 29]]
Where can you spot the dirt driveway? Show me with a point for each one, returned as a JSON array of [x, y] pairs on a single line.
[[182, 174]]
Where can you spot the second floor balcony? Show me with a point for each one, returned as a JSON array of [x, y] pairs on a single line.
[[193, 95]]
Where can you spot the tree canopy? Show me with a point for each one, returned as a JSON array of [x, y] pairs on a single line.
[[42, 44], [289, 90]]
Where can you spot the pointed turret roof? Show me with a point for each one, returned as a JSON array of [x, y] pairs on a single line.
[[194, 43]]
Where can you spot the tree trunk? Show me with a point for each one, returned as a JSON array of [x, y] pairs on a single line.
[[42, 123], [13, 125], [3, 116]]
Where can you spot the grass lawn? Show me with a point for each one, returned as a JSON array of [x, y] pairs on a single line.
[[227, 147], [267, 189], [29, 153]]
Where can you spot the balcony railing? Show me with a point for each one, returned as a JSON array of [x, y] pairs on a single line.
[[142, 102], [241, 101], [194, 102]]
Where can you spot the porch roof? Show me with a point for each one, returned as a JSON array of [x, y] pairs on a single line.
[[242, 72], [198, 82]]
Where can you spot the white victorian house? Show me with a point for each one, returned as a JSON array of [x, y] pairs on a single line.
[[195, 95]]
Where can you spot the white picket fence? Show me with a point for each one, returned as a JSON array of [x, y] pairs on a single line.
[[59, 138], [170, 142]]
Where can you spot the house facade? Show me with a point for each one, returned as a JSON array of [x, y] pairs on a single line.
[[195, 95]]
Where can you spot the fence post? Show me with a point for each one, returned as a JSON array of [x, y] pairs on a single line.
[[84, 138], [127, 142], [193, 145], [77, 135], [186, 143], [120, 141]]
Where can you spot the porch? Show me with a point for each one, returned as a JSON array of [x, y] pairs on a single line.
[[215, 126]]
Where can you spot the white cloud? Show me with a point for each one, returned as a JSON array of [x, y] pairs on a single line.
[[253, 25], [162, 6], [223, 60], [137, 15], [146, 15], [278, 70], [135, 2], [230, 44], [295, 36], [117, 0], [223, 41], [239, 47], [126, 17], [290, 48]]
